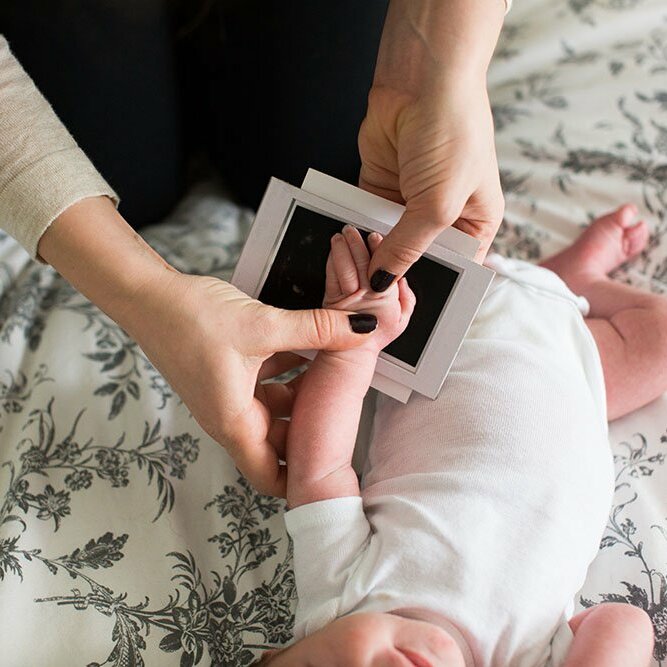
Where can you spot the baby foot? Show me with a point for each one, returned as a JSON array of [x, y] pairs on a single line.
[[607, 243]]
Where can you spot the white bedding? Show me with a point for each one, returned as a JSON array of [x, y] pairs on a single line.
[[126, 535], [579, 91]]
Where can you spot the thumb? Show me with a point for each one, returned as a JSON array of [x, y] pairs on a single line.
[[410, 238], [318, 329]]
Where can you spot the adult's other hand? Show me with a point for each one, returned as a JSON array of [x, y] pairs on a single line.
[[427, 139]]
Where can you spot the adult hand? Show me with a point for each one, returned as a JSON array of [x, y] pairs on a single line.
[[427, 139], [436, 154], [213, 343]]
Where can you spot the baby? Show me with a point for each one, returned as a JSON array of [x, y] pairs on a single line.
[[480, 512]]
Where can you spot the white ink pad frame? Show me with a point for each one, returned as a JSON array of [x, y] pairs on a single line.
[[351, 205]]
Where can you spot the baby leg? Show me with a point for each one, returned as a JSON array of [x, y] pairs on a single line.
[[629, 326], [611, 635]]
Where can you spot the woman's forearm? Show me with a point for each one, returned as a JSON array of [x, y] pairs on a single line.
[[97, 252], [427, 43]]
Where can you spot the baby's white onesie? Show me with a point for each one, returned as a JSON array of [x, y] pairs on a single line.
[[486, 505]]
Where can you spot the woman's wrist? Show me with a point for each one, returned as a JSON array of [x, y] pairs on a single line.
[[98, 253], [431, 44]]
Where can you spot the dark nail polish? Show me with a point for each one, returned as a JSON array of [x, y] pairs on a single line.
[[363, 323], [381, 280]]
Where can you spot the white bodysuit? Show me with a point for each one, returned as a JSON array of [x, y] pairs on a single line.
[[486, 505]]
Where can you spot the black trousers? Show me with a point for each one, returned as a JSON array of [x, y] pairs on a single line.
[[149, 88]]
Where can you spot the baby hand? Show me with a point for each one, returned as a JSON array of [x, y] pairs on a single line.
[[347, 288]]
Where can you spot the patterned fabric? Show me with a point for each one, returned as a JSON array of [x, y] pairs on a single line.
[[579, 95], [127, 536], [123, 527]]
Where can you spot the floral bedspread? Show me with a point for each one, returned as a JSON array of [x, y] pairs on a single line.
[[579, 95], [127, 536]]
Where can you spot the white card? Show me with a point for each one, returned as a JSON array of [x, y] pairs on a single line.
[[283, 263], [388, 211]]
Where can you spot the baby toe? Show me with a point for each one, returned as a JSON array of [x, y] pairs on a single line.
[[635, 238]]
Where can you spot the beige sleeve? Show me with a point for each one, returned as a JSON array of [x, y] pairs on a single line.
[[508, 5], [42, 170]]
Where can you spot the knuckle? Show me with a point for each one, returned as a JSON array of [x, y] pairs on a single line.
[[403, 254], [446, 213], [439, 208], [351, 275], [438, 222], [323, 326]]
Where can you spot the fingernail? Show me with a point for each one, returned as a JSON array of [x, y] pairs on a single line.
[[381, 280], [363, 323]]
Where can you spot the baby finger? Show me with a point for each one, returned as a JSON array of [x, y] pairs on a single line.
[[407, 299], [359, 253], [332, 290], [346, 269]]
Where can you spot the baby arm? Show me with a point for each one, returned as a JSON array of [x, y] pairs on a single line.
[[326, 411], [611, 635]]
